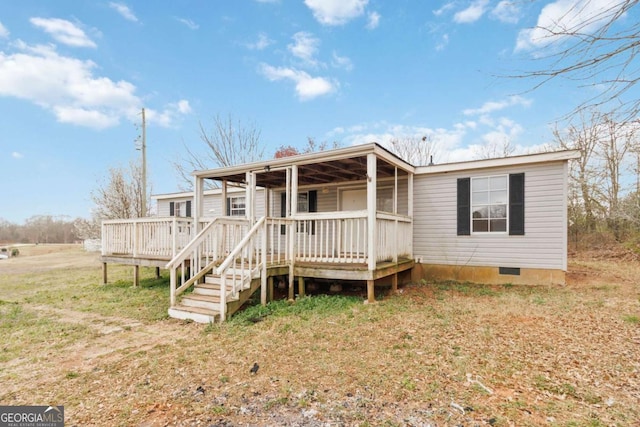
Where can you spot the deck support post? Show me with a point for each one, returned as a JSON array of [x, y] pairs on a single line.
[[371, 297], [291, 278], [300, 286], [157, 272], [104, 273], [136, 275], [270, 288], [394, 283]]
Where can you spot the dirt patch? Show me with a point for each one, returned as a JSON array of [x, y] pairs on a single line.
[[435, 354], [41, 258]]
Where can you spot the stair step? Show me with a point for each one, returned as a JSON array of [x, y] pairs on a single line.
[[216, 280], [202, 301], [197, 314]]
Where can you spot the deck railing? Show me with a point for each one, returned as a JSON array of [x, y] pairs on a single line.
[[342, 237], [146, 237], [333, 237], [208, 248]]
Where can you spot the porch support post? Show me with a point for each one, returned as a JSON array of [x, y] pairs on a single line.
[[249, 197], [136, 275], [225, 202], [371, 297], [270, 288], [394, 283], [294, 190], [300, 286], [197, 203], [410, 209], [197, 214], [263, 260], [104, 273], [292, 208], [371, 213], [157, 272]]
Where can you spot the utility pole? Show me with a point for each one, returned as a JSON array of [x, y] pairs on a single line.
[[144, 165]]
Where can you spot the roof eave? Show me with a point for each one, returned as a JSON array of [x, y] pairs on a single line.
[[554, 156]]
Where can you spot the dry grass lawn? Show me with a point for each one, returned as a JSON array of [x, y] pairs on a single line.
[[437, 354]]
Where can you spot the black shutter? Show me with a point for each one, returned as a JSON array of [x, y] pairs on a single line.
[[313, 207], [283, 211], [188, 209], [228, 213], [172, 208], [516, 204], [464, 206]]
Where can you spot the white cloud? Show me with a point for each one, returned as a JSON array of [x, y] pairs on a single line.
[[262, 43], [307, 87], [506, 11], [17, 155], [472, 13], [189, 23], [444, 42], [341, 62], [169, 115], [63, 31], [562, 16], [374, 20], [4, 33], [124, 11], [336, 12], [445, 8], [67, 87], [183, 106], [491, 106], [305, 48]]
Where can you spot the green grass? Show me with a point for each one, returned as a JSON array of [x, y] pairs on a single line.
[[146, 302], [23, 333], [303, 309], [632, 319]]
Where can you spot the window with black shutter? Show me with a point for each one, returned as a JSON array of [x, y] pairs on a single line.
[[487, 204]]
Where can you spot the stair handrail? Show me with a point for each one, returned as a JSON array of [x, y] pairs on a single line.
[[224, 266], [240, 246], [184, 253]]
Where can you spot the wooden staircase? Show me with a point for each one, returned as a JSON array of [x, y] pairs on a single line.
[[202, 305]]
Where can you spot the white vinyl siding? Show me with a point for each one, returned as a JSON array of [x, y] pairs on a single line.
[[543, 245], [212, 204]]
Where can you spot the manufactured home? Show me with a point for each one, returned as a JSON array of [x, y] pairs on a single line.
[[351, 214]]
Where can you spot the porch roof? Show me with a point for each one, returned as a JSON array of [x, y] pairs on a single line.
[[318, 168]]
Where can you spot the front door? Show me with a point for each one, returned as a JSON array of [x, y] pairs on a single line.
[[354, 231]]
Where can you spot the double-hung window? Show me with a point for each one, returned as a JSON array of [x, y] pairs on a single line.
[[489, 201], [491, 204], [236, 206]]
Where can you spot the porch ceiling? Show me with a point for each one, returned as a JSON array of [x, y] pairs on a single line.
[[321, 173]]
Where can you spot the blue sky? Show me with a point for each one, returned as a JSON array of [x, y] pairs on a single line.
[[75, 75]]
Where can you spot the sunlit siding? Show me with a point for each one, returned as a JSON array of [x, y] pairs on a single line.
[[435, 238], [212, 204]]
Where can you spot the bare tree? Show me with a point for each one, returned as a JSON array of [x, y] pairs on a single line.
[[121, 196], [594, 46], [311, 147], [584, 176], [414, 149], [230, 142], [494, 149]]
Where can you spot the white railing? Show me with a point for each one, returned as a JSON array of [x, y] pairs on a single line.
[[209, 247], [336, 237], [247, 260], [394, 237], [342, 237], [146, 237]]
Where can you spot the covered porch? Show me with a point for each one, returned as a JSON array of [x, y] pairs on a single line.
[[343, 214]]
